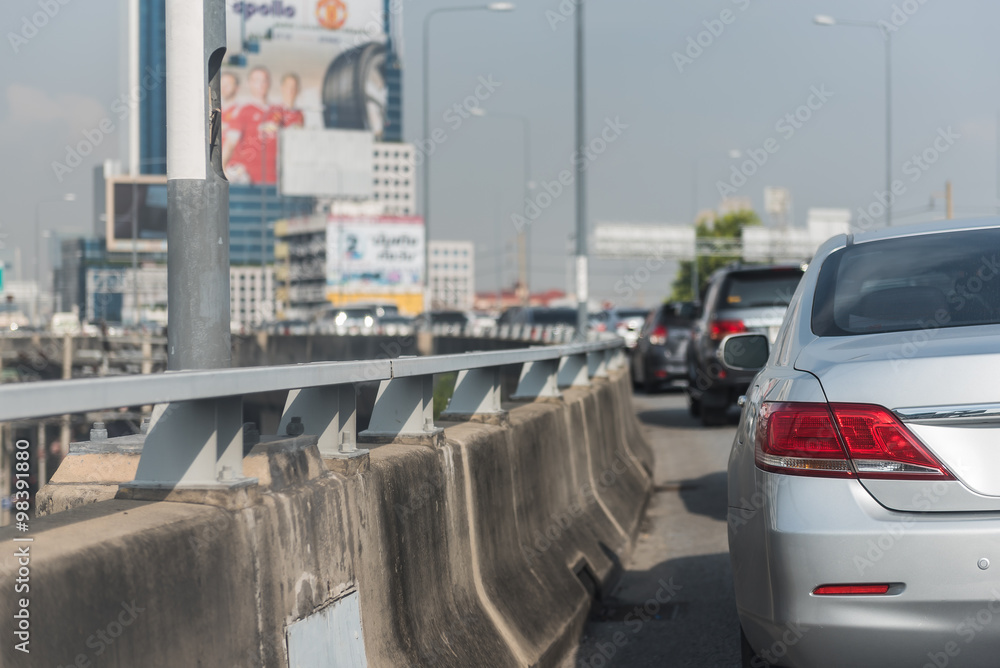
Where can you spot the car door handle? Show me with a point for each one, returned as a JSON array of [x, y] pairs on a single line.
[[741, 401]]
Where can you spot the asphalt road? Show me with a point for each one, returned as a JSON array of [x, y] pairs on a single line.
[[673, 605]]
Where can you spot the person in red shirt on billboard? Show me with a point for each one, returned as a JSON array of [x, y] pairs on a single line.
[[229, 86], [290, 116], [256, 134]]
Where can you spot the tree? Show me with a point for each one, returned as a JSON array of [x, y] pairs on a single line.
[[729, 226]]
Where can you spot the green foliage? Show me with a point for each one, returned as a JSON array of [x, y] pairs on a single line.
[[729, 226], [444, 387]]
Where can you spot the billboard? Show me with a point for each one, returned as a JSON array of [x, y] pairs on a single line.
[[308, 167], [374, 254], [312, 64], [136, 209]]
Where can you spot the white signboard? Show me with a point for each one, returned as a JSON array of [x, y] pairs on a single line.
[[252, 20], [380, 253], [326, 163], [627, 240]]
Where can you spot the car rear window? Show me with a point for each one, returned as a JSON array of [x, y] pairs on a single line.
[[950, 279], [759, 289]]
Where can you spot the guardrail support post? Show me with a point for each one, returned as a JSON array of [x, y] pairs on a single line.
[[477, 392], [573, 371], [597, 364], [193, 444], [326, 412], [538, 379], [404, 407]]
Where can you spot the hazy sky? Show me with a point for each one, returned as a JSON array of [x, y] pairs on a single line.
[[765, 62]]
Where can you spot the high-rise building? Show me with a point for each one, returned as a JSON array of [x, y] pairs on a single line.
[[453, 274], [152, 57]]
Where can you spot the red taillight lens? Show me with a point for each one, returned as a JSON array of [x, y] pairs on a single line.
[[723, 328], [881, 447], [800, 438], [851, 590], [839, 440], [658, 336]]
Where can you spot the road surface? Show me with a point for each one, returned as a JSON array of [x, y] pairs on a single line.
[[673, 605]]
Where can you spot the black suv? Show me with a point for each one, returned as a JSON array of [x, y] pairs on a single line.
[[739, 298]]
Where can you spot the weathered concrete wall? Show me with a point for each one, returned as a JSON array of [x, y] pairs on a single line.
[[476, 551]]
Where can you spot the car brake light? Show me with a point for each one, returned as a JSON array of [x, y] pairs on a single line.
[[658, 336], [800, 438], [723, 328], [851, 590], [881, 447], [840, 440]]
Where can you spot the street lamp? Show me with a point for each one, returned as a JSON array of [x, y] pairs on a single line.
[[68, 197], [824, 20], [523, 235], [490, 7]]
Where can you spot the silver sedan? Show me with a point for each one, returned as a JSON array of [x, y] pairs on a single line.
[[864, 479]]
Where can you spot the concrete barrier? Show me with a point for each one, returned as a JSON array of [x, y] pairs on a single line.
[[485, 549]]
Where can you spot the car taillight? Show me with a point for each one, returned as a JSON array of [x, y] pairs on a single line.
[[840, 440], [881, 447], [658, 336], [723, 328], [800, 438]]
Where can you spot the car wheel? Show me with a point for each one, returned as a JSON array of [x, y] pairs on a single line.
[[694, 407], [713, 416], [748, 657]]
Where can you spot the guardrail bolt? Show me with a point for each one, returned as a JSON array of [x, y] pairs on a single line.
[[295, 427], [144, 427], [98, 432]]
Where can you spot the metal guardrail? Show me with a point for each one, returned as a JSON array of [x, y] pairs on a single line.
[[195, 436]]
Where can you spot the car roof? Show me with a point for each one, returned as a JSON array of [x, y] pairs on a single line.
[[900, 231]]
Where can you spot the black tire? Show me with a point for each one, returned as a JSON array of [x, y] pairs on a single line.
[[748, 657], [694, 407], [713, 416]]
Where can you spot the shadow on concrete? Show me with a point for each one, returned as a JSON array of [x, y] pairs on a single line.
[[679, 418], [701, 496], [681, 612]]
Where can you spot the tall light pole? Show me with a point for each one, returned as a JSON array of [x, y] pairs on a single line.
[[824, 20], [426, 146], [524, 235], [582, 296], [68, 197]]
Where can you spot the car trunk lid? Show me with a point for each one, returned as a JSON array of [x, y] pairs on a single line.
[[939, 383]]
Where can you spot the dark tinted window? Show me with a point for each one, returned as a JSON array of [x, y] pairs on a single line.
[[759, 289], [449, 318], [675, 313], [928, 281]]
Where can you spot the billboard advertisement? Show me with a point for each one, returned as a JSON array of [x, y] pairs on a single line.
[[374, 254], [312, 64], [136, 211], [326, 163]]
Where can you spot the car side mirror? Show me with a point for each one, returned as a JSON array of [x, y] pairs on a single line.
[[744, 352]]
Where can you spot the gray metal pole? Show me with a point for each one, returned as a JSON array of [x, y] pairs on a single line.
[[888, 128], [582, 291], [198, 193]]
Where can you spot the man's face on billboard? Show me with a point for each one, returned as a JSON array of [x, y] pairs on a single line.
[[228, 86], [289, 90], [260, 84]]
